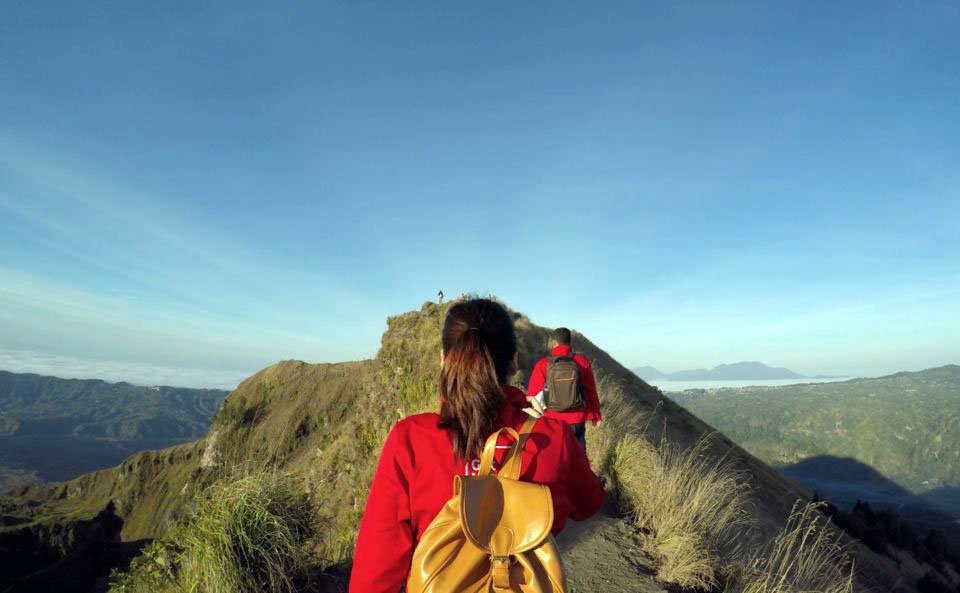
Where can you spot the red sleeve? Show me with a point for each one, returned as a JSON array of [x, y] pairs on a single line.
[[590, 390], [538, 377], [385, 541], [584, 487]]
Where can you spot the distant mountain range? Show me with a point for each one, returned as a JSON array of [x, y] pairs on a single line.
[[903, 429], [738, 371], [55, 429]]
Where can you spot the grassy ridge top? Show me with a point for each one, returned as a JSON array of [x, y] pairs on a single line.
[[906, 426]]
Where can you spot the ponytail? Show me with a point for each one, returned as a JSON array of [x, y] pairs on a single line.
[[478, 344]]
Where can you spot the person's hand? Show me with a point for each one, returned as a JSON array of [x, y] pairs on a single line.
[[534, 409], [596, 423]]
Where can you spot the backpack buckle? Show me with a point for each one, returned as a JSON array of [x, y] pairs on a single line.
[[500, 571]]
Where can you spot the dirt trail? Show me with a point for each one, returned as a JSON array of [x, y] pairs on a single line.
[[603, 554]]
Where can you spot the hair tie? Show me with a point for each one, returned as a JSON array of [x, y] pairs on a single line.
[[474, 329]]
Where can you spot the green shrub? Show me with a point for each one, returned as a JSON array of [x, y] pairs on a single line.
[[231, 411], [254, 534], [150, 572]]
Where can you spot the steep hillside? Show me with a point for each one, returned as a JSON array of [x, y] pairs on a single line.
[[327, 422]]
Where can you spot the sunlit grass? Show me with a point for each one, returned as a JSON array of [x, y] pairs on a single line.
[[693, 506], [805, 557], [250, 535]]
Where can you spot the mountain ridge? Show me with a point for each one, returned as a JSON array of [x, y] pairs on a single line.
[[327, 423], [96, 408], [54, 429]]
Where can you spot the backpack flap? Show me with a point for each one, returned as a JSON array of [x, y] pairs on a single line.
[[504, 517]]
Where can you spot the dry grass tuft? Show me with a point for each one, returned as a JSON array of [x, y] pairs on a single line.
[[693, 506], [806, 557]]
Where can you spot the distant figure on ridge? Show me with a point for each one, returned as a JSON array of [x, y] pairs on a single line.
[[565, 381], [440, 298], [418, 532]]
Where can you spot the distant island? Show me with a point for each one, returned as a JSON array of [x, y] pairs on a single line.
[[738, 371]]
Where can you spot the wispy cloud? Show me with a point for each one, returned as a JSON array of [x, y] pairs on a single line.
[[116, 258], [155, 239], [48, 312], [114, 204]]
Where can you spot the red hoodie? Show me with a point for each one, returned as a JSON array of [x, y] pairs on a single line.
[[414, 480], [591, 408]]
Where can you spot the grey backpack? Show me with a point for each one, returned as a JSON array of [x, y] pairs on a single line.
[[563, 391]]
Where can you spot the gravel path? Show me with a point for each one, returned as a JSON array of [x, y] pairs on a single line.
[[603, 554]]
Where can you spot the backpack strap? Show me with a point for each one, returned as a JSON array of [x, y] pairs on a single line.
[[490, 447], [511, 469]]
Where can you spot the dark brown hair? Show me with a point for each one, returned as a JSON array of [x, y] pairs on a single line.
[[561, 335], [478, 344]]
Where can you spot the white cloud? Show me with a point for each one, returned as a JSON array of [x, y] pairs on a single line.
[[70, 367]]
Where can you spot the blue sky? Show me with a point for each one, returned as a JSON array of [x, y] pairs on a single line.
[[217, 186]]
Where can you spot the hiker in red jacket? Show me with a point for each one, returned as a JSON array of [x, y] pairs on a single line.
[[570, 378], [423, 453]]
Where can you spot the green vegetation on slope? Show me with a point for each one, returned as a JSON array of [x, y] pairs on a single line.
[[252, 534], [56, 429], [906, 426], [34, 405], [325, 424]]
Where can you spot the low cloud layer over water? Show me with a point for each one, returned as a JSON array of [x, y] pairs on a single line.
[[69, 367]]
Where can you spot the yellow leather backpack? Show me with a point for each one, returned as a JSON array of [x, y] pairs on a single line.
[[493, 535]]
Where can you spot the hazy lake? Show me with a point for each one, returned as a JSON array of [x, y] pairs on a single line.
[[666, 385]]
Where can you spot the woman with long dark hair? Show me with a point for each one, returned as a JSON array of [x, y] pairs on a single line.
[[423, 453]]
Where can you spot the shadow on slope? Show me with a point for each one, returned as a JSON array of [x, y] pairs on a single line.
[[845, 481], [60, 458]]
